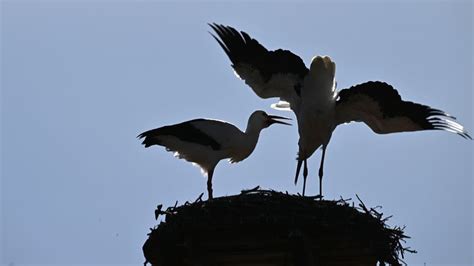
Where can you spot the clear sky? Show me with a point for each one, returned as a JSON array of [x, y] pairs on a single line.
[[80, 80]]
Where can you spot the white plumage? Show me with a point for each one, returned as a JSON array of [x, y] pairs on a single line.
[[311, 94], [205, 142]]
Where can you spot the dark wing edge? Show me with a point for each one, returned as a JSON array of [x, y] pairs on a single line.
[[152, 137], [380, 106], [257, 65], [184, 131]]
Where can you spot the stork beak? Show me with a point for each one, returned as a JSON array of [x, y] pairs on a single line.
[[272, 120]]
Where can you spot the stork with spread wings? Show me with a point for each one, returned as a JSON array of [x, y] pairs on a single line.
[[311, 94]]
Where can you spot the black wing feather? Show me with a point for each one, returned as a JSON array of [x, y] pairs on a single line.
[[241, 48], [389, 105], [184, 131]]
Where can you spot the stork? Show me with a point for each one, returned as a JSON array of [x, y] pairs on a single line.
[[205, 142], [311, 94]]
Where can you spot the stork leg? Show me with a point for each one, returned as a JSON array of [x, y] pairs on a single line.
[[298, 167], [321, 172], [209, 183], [305, 175]]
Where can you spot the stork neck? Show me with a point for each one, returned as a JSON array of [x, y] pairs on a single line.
[[253, 130], [247, 144], [251, 136]]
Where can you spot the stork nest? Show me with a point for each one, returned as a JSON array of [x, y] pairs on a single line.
[[263, 227]]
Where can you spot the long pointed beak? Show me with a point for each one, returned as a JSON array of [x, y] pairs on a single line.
[[272, 120]]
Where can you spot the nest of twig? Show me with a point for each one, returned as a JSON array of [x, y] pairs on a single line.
[[262, 227]]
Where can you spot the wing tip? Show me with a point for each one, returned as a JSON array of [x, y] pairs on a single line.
[[449, 124], [148, 139], [229, 39], [465, 135]]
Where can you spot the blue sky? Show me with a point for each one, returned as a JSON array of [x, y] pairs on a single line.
[[79, 81]]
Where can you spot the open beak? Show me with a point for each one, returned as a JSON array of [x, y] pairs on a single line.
[[272, 120]]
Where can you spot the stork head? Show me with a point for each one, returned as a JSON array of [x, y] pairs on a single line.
[[259, 119]]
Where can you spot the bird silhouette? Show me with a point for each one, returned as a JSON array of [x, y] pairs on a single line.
[[205, 141], [311, 94]]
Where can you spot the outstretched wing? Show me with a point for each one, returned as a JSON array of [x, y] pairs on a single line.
[[380, 106], [277, 73]]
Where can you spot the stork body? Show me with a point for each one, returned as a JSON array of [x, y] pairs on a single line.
[[205, 142], [311, 95], [316, 118]]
